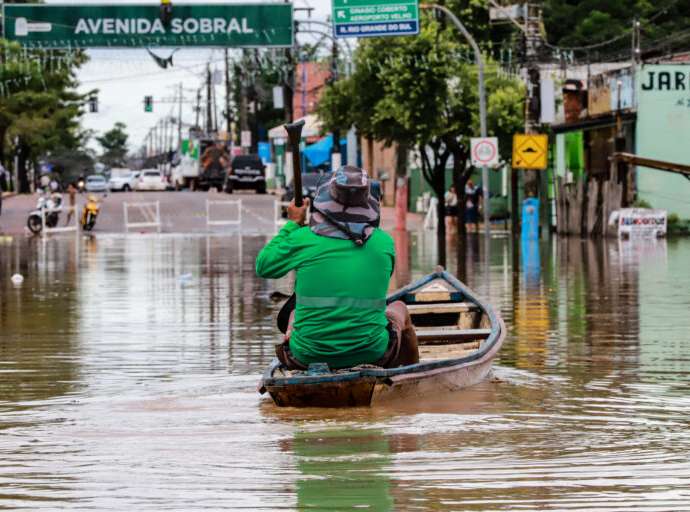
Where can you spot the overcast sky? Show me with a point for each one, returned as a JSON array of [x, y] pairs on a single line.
[[123, 77]]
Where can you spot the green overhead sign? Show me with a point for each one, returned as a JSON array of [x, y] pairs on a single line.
[[369, 18], [128, 25]]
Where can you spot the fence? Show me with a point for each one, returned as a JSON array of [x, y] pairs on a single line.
[[278, 219], [45, 230], [225, 222], [149, 213]]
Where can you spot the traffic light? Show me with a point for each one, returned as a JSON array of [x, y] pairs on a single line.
[[166, 12], [148, 103], [93, 104]]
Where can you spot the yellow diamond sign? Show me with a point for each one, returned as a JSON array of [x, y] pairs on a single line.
[[530, 151]]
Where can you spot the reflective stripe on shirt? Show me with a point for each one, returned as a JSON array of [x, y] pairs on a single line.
[[341, 302]]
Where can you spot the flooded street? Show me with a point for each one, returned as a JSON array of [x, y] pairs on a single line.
[[129, 365]]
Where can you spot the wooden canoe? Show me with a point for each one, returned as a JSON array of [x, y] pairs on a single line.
[[458, 335]]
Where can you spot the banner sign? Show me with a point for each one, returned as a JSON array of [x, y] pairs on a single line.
[[368, 18], [640, 222], [128, 25]]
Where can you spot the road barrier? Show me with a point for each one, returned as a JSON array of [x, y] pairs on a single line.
[[278, 219], [150, 212], [236, 222], [45, 230], [431, 219]]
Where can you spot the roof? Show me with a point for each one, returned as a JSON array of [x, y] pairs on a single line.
[[312, 128]]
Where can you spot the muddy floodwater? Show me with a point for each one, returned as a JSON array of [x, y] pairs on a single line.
[[128, 372]]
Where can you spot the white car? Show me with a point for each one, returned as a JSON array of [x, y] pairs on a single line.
[[151, 179], [96, 183], [123, 179]]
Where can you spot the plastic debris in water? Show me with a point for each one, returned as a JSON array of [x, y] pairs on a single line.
[[185, 279], [17, 279]]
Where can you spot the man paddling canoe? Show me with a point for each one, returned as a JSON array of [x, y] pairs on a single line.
[[344, 263]]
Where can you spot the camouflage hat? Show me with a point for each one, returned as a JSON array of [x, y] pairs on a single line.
[[344, 208]]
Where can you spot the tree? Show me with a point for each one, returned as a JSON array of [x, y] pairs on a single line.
[[583, 23], [39, 108], [417, 92], [114, 144]]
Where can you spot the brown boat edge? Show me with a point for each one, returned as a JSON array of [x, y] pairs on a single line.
[[459, 335]]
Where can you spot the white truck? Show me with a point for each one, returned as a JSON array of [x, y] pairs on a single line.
[[186, 173], [190, 173]]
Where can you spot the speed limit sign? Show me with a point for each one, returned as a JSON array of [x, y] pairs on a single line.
[[484, 151]]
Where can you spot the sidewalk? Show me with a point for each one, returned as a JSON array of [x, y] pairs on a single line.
[[414, 220]]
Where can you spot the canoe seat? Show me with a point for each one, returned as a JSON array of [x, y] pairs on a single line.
[[451, 307], [450, 336], [439, 352]]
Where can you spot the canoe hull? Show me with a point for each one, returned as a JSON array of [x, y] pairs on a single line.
[[367, 386]]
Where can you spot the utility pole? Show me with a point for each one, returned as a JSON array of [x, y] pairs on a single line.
[[532, 38], [209, 110], [197, 109], [228, 115], [244, 104], [336, 158], [179, 116]]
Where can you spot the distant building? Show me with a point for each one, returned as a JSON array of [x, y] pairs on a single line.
[[310, 82], [653, 106]]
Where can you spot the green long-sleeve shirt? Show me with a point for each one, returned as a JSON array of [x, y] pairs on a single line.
[[341, 293]]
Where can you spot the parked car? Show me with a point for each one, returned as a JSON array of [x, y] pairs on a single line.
[[246, 171], [151, 179], [310, 182], [123, 180], [96, 183]]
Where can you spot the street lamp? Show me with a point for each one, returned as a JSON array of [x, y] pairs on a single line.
[[482, 99]]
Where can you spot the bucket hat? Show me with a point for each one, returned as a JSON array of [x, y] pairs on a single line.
[[344, 208]]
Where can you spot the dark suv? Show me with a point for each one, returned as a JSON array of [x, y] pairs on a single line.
[[246, 171]]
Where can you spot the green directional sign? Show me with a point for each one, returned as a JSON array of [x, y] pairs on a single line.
[[128, 25], [368, 18]]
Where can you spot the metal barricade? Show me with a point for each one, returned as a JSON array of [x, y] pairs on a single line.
[[225, 222], [151, 213], [45, 230]]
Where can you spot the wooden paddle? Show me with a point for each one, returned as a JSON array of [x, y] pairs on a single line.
[[294, 131]]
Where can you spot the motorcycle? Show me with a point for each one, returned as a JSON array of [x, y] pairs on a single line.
[[48, 208], [90, 213]]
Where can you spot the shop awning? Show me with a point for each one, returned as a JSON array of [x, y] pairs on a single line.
[[312, 128]]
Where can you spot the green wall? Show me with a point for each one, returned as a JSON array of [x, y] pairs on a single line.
[[663, 133]]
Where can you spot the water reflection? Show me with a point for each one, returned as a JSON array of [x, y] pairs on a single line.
[[342, 469], [128, 368]]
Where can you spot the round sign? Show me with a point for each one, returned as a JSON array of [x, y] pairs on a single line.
[[484, 152]]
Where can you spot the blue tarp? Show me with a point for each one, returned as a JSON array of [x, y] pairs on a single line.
[[320, 152], [265, 152]]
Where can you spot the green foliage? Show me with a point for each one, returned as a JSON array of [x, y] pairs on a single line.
[[39, 108], [415, 90], [114, 144], [641, 203], [579, 23]]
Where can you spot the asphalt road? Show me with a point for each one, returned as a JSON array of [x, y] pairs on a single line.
[[180, 212]]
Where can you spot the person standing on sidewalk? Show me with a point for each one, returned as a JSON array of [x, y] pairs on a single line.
[[3, 183]]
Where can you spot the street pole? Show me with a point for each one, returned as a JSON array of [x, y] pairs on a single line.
[[482, 101], [228, 115], [209, 110], [179, 118]]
